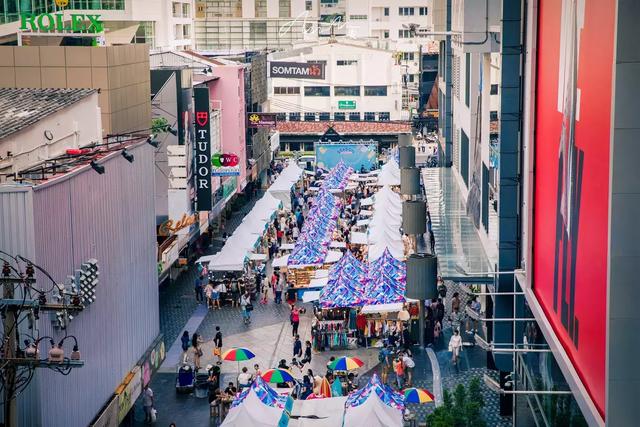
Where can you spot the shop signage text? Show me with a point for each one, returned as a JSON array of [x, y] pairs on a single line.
[[169, 227], [203, 149], [262, 120], [49, 22], [226, 164], [297, 70], [346, 105]]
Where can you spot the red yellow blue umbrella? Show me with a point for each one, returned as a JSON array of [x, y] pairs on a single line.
[[417, 395], [277, 376], [346, 364]]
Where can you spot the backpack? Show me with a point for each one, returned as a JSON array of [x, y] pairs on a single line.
[[382, 356]]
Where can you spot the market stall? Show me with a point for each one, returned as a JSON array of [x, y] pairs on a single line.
[[376, 404], [258, 405], [281, 187]]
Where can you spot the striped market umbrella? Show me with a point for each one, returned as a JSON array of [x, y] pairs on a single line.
[[237, 354], [278, 376], [346, 364], [417, 395], [325, 388]]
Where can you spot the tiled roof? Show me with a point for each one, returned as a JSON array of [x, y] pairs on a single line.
[[20, 108], [320, 128]]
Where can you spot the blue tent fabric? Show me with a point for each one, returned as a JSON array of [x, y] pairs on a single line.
[[265, 393], [386, 394]]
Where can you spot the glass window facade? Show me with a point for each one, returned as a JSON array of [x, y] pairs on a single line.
[[220, 34], [375, 91], [10, 9], [284, 8], [323, 117], [369, 116], [339, 117], [354, 117], [384, 116], [309, 117], [346, 91], [294, 117], [316, 91]]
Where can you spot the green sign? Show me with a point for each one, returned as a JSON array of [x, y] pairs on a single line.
[[346, 105], [54, 22]]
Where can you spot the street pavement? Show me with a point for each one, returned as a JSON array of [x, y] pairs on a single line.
[[269, 337]]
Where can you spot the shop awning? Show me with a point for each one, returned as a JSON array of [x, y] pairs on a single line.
[[281, 188], [382, 308], [311, 296], [280, 261], [359, 238], [258, 257]]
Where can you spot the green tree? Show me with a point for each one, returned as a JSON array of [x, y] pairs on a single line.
[[462, 409]]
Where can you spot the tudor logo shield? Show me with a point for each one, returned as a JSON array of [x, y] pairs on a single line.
[[202, 117]]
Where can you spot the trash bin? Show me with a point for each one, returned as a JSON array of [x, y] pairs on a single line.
[[201, 389]]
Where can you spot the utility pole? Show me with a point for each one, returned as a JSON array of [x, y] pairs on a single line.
[[12, 356]]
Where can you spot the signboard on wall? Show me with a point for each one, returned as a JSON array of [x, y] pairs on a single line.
[[297, 70], [128, 392], [346, 105], [225, 164], [357, 154], [571, 189], [262, 120], [203, 148]]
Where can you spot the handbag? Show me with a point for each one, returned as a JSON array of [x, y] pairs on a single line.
[[154, 415], [249, 307]]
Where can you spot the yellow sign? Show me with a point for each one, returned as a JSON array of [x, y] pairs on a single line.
[[128, 392], [61, 3], [201, 9], [169, 227]]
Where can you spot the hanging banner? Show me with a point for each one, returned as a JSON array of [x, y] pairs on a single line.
[[203, 149]]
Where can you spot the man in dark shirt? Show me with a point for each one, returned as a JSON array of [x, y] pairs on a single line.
[[217, 342], [231, 390], [297, 347]]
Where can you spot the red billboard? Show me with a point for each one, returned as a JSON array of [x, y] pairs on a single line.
[[573, 109]]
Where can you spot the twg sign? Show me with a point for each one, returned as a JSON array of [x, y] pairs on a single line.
[[203, 148]]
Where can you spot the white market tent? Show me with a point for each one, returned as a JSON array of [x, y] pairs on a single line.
[[236, 250], [384, 228], [373, 413], [389, 173], [329, 412], [281, 187], [253, 412]]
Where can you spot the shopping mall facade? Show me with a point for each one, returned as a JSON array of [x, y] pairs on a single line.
[[565, 197]]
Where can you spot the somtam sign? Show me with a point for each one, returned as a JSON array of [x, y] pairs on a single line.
[[203, 148], [298, 70]]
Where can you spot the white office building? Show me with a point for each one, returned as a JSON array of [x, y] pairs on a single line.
[[163, 24], [361, 83]]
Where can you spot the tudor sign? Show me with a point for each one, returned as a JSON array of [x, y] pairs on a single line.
[[203, 149]]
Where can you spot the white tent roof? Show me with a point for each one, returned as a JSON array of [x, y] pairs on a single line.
[[252, 412], [384, 229], [373, 413], [287, 178], [330, 412], [389, 173]]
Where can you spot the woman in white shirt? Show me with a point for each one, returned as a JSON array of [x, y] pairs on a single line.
[[455, 345]]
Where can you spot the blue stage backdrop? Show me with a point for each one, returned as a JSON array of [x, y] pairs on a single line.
[[354, 154]]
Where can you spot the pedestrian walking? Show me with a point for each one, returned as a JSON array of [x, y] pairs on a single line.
[[457, 319], [199, 289], [196, 341], [307, 353], [247, 307], [455, 302], [455, 345], [208, 292], [217, 343], [185, 341], [297, 347], [295, 319], [279, 287], [383, 358], [398, 368], [408, 365], [147, 404]]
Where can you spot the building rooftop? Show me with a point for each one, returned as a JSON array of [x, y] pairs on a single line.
[[20, 108], [354, 127]]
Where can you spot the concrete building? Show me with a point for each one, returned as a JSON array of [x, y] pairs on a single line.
[[39, 124], [556, 163], [163, 24], [113, 222], [120, 73], [227, 27], [377, 96]]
